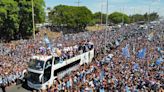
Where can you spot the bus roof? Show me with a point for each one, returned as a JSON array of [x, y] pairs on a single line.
[[41, 57]]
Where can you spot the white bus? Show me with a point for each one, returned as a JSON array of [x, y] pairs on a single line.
[[43, 70]]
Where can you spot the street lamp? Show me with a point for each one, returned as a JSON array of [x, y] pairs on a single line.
[[106, 25], [123, 16], [33, 22]]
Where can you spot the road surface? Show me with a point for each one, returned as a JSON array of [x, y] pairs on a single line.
[[17, 88]]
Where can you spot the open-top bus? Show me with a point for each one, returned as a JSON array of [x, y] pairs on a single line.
[[43, 70]]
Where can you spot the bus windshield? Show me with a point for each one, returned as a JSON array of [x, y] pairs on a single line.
[[36, 64], [33, 77]]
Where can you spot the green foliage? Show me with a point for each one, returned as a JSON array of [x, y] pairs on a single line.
[[118, 17], [97, 18], [39, 6], [70, 16], [16, 17], [153, 16], [146, 17], [25, 15], [138, 17], [8, 18]]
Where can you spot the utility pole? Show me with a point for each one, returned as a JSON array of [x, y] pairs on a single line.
[[78, 3], [148, 13], [123, 16], [33, 22], [101, 11], [134, 14], [106, 25]]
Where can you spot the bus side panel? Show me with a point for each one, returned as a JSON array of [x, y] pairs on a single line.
[[91, 55], [84, 58], [87, 57]]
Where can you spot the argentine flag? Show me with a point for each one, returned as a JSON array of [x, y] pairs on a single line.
[[47, 41], [159, 61], [141, 54], [125, 51]]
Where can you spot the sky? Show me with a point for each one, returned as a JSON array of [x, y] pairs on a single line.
[[126, 6]]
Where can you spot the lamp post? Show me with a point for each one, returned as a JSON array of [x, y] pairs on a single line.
[[123, 16], [106, 26], [78, 4], [149, 14], [134, 14], [33, 22]]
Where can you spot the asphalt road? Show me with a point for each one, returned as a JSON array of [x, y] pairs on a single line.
[[17, 88]]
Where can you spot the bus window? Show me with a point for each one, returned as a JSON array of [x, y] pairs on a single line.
[[57, 59], [62, 69], [36, 64], [33, 77], [48, 63], [47, 70]]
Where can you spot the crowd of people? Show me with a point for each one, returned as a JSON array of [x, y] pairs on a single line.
[[117, 71], [61, 52], [112, 69]]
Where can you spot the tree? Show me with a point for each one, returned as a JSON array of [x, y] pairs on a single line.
[[153, 16], [146, 17], [25, 15], [138, 17], [97, 18], [70, 16], [84, 17], [16, 17], [8, 18], [118, 17]]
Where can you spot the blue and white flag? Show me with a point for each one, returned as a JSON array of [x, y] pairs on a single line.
[[101, 90], [125, 51], [141, 54], [159, 61], [127, 89], [102, 74], [48, 44], [117, 43], [135, 66], [47, 41]]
